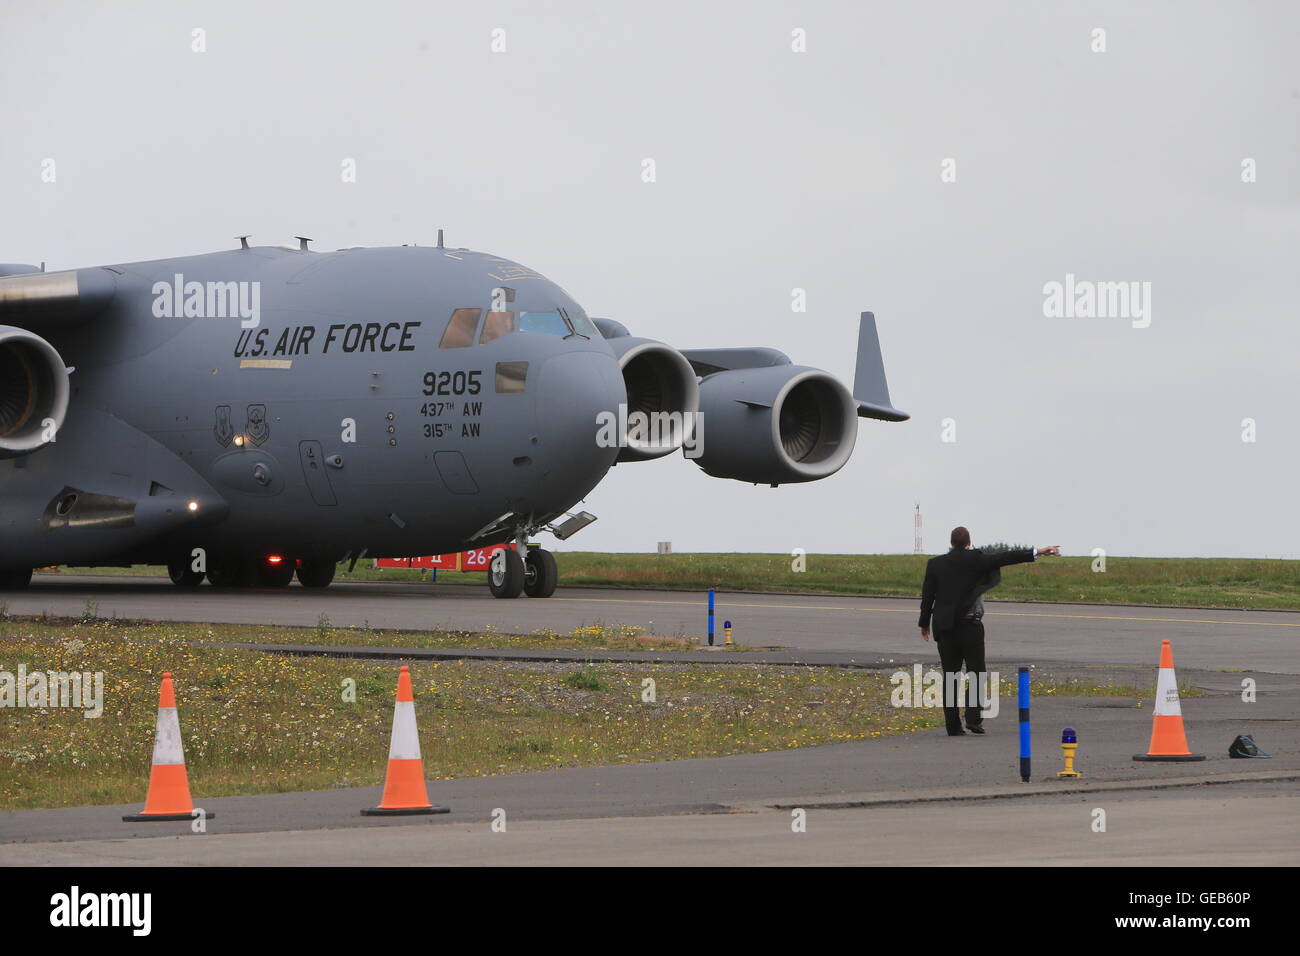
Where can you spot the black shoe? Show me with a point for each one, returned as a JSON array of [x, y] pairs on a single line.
[[958, 733], [976, 730]]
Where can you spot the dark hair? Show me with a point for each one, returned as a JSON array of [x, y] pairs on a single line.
[[960, 538]]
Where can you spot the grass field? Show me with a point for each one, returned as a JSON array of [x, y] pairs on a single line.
[[1208, 582], [597, 636], [1216, 582], [257, 722]]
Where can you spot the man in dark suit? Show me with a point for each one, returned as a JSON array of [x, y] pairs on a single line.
[[951, 598]]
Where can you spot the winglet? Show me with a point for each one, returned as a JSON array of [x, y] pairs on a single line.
[[870, 388]]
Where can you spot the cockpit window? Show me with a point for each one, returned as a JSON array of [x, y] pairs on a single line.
[[497, 325], [511, 377], [460, 330], [547, 323], [581, 324]]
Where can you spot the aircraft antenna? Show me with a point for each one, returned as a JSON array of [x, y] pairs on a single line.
[[440, 239]]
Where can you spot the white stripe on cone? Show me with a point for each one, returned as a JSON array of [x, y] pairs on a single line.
[[1167, 703], [167, 738], [405, 744]]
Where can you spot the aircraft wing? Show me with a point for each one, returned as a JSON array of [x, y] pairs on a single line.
[[44, 300], [870, 388], [708, 361]]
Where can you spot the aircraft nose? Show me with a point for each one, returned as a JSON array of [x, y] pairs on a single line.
[[573, 390]]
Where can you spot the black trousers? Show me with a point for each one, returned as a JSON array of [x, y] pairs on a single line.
[[962, 644]]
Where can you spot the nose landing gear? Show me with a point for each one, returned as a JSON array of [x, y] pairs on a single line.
[[535, 574]]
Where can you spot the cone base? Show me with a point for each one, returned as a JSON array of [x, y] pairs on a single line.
[[1169, 757], [402, 811], [164, 817]]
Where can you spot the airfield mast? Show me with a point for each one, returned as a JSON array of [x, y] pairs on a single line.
[[916, 526]]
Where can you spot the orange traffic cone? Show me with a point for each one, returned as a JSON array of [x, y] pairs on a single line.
[[169, 788], [1168, 740], [405, 793]]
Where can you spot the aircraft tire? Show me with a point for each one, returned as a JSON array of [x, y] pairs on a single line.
[[316, 573], [223, 572], [182, 573], [506, 575], [275, 575], [15, 580], [540, 573]]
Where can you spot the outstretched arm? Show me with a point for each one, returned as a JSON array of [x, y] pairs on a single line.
[[1018, 557]]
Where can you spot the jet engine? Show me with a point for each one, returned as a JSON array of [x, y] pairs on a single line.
[[663, 396], [777, 424], [33, 392]]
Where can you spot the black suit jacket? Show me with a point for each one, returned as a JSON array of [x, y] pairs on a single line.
[[954, 581]]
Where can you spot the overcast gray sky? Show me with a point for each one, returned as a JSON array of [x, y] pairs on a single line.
[[776, 170]]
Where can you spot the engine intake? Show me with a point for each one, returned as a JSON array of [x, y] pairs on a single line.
[[774, 425], [33, 392], [662, 393]]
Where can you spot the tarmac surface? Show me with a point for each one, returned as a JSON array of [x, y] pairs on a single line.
[[874, 627], [921, 798], [1175, 828]]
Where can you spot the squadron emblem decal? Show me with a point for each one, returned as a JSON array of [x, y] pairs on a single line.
[[222, 430], [258, 429]]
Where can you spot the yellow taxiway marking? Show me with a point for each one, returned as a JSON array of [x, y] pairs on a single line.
[[895, 610]]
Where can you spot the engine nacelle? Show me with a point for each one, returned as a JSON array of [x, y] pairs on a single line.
[[662, 387], [33, 392], [776, 424]]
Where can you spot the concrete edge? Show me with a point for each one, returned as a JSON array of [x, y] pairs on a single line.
[[898, 798], [563, 655], [559, 655]]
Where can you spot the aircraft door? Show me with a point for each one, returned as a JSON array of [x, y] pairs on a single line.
[[313, 470]]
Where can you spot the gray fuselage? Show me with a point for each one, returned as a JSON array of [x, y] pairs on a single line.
[[341, 423]]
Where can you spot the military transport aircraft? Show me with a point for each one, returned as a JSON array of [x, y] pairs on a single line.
[[250, 413]]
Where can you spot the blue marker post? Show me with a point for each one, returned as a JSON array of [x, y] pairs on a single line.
[[1025, 733], [710, 617]]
